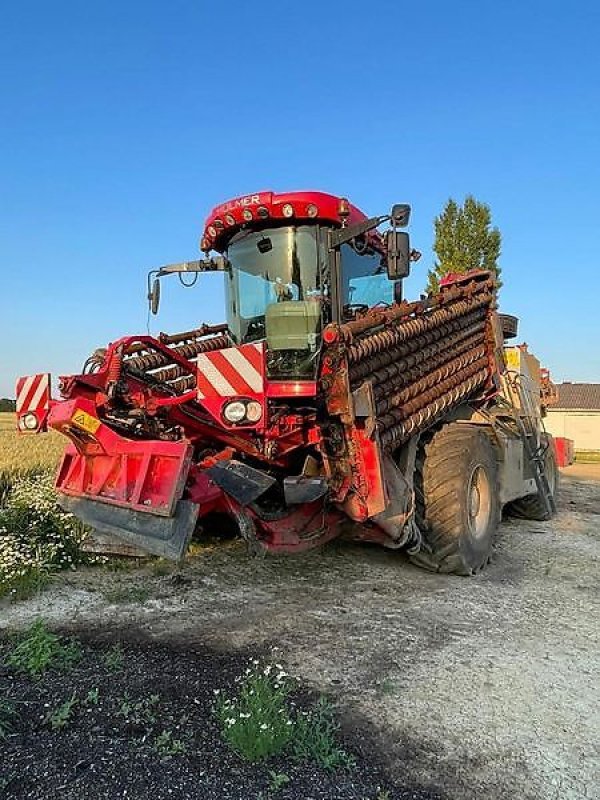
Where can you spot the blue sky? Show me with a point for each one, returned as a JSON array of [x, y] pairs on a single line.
[[122, 124]]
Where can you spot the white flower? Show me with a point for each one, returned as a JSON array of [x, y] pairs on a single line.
[[264, 726]]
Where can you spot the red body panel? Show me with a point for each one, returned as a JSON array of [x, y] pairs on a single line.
[[565, 451], [101, 465]]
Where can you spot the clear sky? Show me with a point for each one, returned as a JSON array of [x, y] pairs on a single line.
[[123, 123]]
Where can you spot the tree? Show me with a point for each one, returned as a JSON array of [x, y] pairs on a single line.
[[464, 240]]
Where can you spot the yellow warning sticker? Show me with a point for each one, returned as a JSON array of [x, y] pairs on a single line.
[[513, 357], [85, 421]]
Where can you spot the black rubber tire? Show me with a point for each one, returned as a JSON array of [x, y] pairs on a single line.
[[532, 506], [447, 465]]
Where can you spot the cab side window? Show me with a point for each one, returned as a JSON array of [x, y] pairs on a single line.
[[364, 278]]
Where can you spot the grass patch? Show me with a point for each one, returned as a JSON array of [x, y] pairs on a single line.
[[256, 723], [30, 584], [161, 567], [128, 594], [315, 738], [8, 716], [113, 658], [92, 698], [22, 452], [587, 456], [61, 716], [140, 713], [38, 650], [259, 722], [167, 746]]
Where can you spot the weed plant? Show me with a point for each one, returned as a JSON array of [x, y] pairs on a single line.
[[38, 650]]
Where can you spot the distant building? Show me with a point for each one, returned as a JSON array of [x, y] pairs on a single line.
[[576, 415]]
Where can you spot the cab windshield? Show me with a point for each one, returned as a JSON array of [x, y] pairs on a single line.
[[273, 294]]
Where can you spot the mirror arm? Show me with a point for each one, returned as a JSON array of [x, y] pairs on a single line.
[[342, 235], [219, 263]]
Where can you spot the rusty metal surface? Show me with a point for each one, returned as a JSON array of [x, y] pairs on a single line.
[[188, 350], [421, 360]]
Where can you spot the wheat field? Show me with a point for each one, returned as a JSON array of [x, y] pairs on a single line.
[[19, 452]]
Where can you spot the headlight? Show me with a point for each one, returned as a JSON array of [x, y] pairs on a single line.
[[253, 411], [29, 422], [234, 411], [237, 411]]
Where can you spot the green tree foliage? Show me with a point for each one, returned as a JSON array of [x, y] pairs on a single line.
[[7, 405], [464, 240]]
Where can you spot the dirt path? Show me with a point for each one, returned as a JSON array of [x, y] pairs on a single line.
[[482, 687]]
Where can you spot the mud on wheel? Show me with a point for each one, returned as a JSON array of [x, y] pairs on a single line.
[[457, 499]]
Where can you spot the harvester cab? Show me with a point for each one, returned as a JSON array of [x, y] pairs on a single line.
[[325, 405], [293, 264]]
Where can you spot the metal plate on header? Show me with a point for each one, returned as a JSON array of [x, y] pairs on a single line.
[[245, 484]]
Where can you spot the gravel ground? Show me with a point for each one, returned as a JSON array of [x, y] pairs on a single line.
[[480, 687]]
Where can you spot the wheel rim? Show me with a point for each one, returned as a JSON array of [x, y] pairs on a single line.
[[479, 501]]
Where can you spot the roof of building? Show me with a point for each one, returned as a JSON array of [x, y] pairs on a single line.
[[578, 395]]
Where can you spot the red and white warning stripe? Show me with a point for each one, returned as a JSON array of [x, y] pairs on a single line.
[[33, 393], [33, 403], [233, 371]]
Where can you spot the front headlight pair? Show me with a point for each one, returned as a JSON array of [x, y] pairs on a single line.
[[237, 411]]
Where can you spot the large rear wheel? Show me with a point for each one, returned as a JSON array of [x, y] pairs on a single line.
[[458, 509]]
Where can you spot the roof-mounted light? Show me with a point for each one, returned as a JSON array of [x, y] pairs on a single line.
[[205, 245], [262, 212], [229, 219], [218, 223], [344, 208], [287, 210], [212, 231], [247, 215], [312, 210]]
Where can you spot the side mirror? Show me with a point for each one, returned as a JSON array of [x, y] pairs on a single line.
[[154, 296], [400, 214], [398, 254]]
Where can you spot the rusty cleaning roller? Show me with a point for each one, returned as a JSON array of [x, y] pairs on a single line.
[[415, 365], [426, 394], [372, 363], [189, 351], [381, 340], [414, 390], [427, 415], [399, 374]]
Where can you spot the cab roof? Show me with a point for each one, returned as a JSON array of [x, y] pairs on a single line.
[[227, 218]]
